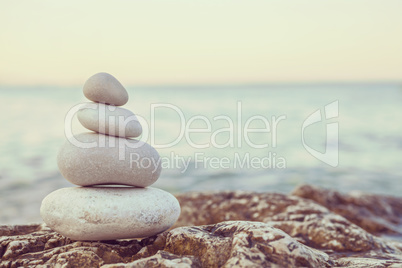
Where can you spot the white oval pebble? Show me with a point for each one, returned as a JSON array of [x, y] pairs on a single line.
[[105, 88], [101, 213], [96, 159], [108, 119]]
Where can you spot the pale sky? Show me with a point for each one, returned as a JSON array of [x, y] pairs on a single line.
[[150, 42]]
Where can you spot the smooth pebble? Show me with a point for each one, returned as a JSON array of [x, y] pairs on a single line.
[[105, 88], [103, 213], [110, 120], [98, 159]]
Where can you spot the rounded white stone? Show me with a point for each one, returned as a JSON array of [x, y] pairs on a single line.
[[108, 119], [95, 159], [105, 88], [106, 213]]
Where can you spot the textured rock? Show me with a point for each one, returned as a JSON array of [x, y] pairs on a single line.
[[113, 160], [108, 119], [244, 244], [226, 229], [105, 88], [375, 214], [106, 213], [236, 243], [310, 223]]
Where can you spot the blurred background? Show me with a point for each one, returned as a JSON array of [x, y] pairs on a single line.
[[276, 58]]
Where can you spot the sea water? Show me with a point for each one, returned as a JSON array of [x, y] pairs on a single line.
[[245, 137]]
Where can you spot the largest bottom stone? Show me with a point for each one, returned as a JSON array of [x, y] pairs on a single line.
[[106, 213]]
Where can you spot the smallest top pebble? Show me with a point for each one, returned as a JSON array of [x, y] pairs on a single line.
[[105, 88]]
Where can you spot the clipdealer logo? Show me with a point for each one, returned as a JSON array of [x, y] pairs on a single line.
[[331, 154]]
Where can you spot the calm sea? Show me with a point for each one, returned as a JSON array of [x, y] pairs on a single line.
[[248, 138]]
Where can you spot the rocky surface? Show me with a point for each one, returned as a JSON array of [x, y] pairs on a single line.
[[312, 227], [373, 213]]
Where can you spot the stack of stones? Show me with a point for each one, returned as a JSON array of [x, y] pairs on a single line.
[[101, 163]]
